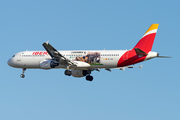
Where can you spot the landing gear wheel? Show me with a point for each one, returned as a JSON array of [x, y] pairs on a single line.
[[67, 72], [22, 75], [89, 78]]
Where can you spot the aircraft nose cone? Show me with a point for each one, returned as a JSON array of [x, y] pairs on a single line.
[[10, 62]]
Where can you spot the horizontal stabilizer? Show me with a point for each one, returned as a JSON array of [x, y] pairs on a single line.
[[140, 52], [163, 57]]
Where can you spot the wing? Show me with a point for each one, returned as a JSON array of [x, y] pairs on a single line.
[[123, 68], [120, 68], [56, 55]]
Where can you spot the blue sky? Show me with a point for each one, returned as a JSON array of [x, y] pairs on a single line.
[[135, 94]]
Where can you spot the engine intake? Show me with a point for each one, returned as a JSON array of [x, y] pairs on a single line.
[[48, 64]]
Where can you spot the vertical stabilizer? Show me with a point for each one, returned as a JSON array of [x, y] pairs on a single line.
[[146, 42]]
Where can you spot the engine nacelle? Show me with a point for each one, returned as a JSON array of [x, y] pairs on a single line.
[[48, 64], [80, 73]]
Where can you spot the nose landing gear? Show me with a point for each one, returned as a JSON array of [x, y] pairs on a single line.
[[22, 75]]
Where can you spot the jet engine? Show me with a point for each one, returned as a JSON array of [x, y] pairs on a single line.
[[48, 64], [80, 73]]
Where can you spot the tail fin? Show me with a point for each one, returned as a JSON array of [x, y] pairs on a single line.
[[146, 42]]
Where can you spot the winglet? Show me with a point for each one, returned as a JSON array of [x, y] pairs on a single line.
[[47, 42], [140, 66]]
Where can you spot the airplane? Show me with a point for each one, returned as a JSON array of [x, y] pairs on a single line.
[[80, 63]]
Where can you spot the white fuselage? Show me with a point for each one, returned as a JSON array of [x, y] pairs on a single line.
[[32, 59]]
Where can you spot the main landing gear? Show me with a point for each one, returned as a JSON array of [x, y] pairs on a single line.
[[89, 78], [22, 75], [67, 72], [79, 73]]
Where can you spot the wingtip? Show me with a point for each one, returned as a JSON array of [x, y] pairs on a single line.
[[47, 42], [140, 66]]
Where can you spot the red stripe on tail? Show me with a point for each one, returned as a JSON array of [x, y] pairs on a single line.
[[146, 43]]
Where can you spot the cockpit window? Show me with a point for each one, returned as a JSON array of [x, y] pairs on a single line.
[[13, 56]]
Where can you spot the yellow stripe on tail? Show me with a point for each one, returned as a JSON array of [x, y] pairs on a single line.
[[152, 27], [146, 42]]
